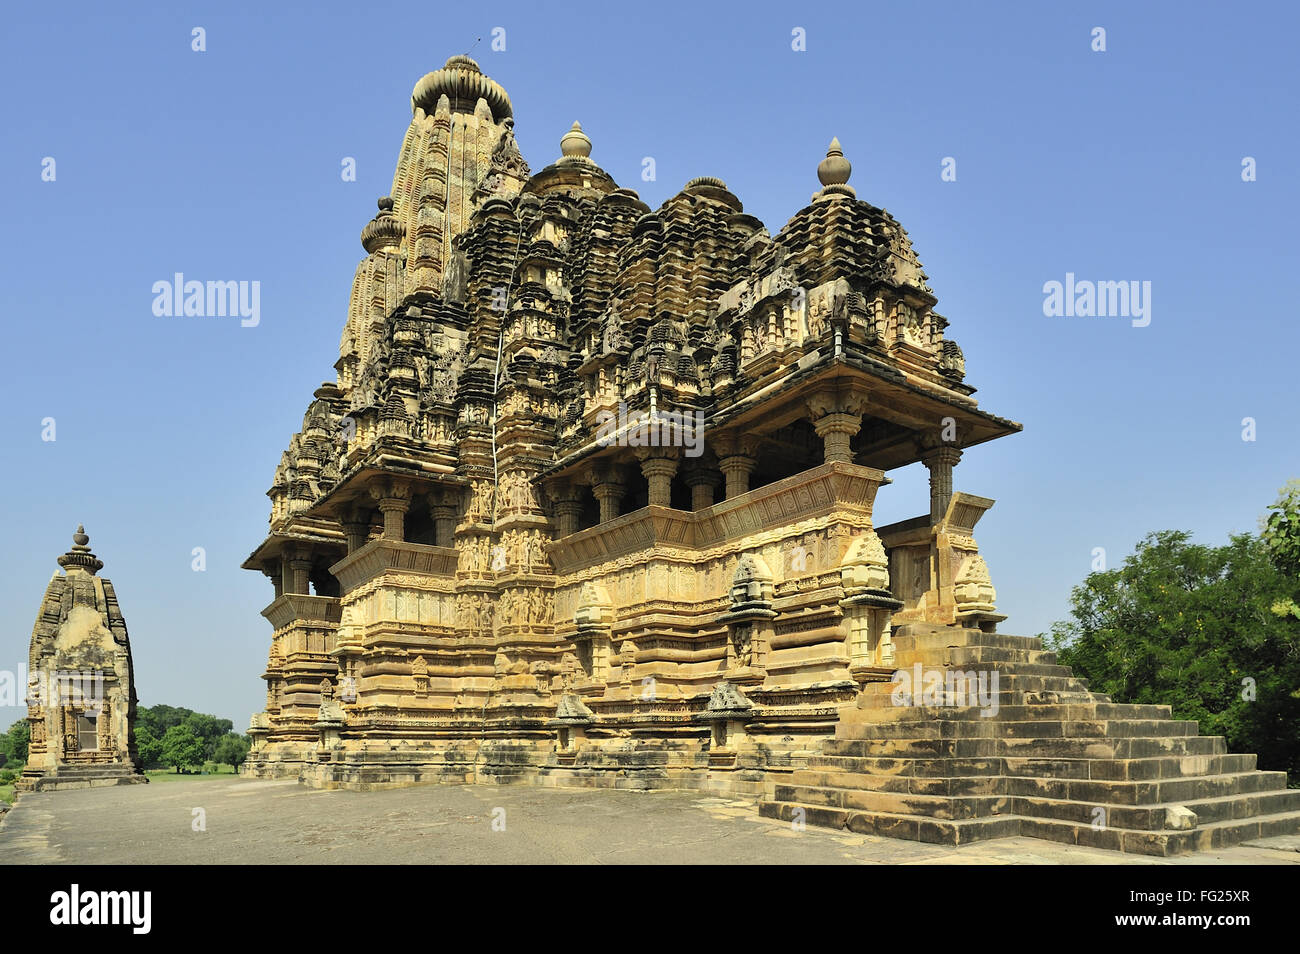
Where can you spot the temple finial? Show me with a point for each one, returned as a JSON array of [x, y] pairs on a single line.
[[834, 169], [833, 172], [575, 143], [80, 557]]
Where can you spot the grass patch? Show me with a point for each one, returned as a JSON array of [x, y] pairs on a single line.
[[7, 794]]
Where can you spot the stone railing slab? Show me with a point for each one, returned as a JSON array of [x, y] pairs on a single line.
[[380, 556], [292, 607], [812, 493]]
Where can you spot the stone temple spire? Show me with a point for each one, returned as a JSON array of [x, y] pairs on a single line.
[[81, 691]]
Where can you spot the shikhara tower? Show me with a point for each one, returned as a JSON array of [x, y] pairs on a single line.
[[81, 689], [472, 581]]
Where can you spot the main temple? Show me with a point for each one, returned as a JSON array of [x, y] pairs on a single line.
[[590, 503]]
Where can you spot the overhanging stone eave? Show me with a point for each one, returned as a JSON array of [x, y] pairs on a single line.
[[566, 465], [896, 398], [355, 486], [276, 540], [910, 402], [932, 399]]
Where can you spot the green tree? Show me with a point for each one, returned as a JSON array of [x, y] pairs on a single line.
[[158, 719], [209, 729], [1193, 627], [13, 744], [1281, 535], [231, 749], [181, 747], [147, 745]]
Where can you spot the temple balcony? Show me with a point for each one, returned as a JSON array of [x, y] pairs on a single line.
[[834, 488], [302, 607], [382, 556]]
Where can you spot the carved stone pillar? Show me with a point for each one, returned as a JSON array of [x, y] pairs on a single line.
[[703, 482], [394, 499], [736, 469], [837, 418], [736, 459], [356, 529], [940, 461], [274, 572], [104, 726], [442, 507], [566, 504], [300, 570], [836, 431], [659, 468], [609, 491]]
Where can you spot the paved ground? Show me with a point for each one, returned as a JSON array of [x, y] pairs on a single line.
[[285, 823]]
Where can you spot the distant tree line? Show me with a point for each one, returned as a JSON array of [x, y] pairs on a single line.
[[182, 739]]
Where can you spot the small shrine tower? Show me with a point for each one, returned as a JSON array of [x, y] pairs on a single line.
[[81, 691]]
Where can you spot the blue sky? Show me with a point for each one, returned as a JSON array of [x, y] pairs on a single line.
[[1123, 165]]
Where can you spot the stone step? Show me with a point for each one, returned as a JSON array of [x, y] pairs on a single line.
[[972, 657], [1021, 669], [1154, 816], [1139, 769], [1005, 697], [1131, 805], [1134, 747], [928, 830], [938, 727], [95, 769], [963, 637], [965, 831], [899, 803], [1007, 681], [927, 766], [976, 659], [915, 784], [1063, 748], [1125, 792], [1012, 711], [1205, 837]]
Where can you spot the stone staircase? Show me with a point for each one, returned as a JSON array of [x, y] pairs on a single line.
[[91, 775], [1054, 761]]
